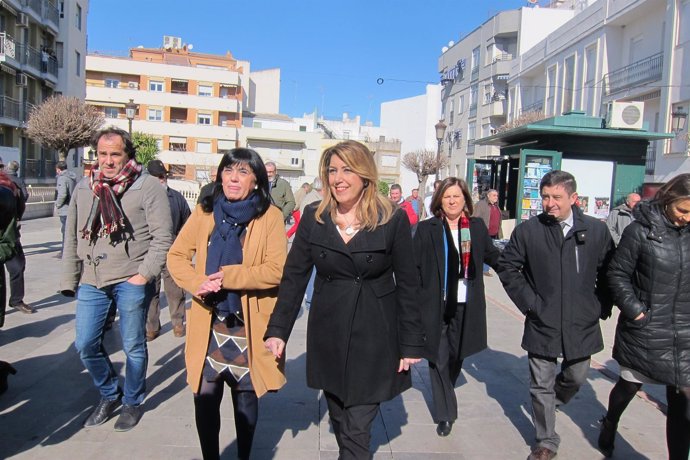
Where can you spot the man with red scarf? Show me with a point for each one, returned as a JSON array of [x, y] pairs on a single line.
[[117, 235]]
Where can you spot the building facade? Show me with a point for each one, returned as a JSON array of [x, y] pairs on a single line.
[[616, 51], [191, 102], [42, 50], [474, 77]]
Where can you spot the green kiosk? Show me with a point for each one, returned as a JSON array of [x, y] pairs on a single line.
[[607, 163]]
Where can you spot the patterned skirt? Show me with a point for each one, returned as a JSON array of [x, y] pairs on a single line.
[[226, 356]]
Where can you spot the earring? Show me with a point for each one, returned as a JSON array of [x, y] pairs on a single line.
[[256, 187], [366, 183]]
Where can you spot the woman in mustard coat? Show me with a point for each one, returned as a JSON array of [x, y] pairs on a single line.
[[230, 256]]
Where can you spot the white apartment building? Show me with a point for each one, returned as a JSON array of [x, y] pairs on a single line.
[[293, 144], [475, 72], [42, 50], [412, 120], [615, 50]]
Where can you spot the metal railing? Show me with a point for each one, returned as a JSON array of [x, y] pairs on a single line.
[[535, 107], [10, 108], [34, 5], [7, 47], [640, 72], [40, 194], [29, 55], [51, 12], [502, 57]]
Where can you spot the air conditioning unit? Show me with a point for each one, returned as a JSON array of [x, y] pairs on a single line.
[[133, 85], [21, 79], [170, 42], [22, 20], [625, 115]]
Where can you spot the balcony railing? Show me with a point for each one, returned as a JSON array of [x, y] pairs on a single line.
[[7, 48], [503, 57], [29, 55], [535, 107], [635, 74], [10, 108], [51, 12], [650, 161], [34, 5]]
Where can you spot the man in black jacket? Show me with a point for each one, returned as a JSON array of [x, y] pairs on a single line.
[[554, 269]]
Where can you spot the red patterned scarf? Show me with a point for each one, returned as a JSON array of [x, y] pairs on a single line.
[[106, 216], [465, 244]]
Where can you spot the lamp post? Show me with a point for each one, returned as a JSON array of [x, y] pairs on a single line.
[[130, 113], [678, 119], [440, 132]]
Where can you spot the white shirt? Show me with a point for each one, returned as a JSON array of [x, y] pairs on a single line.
[[462, 282], [567, 224]]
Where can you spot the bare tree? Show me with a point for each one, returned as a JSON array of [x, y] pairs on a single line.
[[423, 163], [524, 119], [63, 123]]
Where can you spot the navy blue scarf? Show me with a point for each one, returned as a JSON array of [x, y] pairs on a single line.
[[225, 248]]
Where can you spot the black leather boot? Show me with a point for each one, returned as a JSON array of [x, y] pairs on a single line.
[[607, 436]]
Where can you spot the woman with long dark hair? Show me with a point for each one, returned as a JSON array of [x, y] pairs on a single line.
[[649, 278], [451, 249], [230, 256]]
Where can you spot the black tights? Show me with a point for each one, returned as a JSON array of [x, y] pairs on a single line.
[[207, 414], [677, 417]]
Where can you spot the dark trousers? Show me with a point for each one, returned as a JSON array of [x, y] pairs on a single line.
[[176, 300], [3, 295], [245, 406], [677, 417], [549, 390], [446, 371], [15, 267], [352, 427]]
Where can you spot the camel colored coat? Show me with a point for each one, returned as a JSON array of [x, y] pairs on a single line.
[[257, 278]]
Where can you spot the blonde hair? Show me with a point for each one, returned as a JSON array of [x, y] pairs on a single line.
[[373, 209]]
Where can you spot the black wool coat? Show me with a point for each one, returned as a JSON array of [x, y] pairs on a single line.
[[431, 264], [650, 274], [365, 313], [559, 283]]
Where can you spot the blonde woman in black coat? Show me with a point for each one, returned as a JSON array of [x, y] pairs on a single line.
[[649, 278], [451, 248], [364, 327]]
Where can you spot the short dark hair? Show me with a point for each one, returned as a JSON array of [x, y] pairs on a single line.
[[676, 189], [395, 187], [436, 207], [61, 165], [130, 150], [241, 156], [557, 177]]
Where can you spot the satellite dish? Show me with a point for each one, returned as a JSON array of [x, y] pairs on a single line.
[[190, 46], [444, 49], [451, 43], [532, 2]]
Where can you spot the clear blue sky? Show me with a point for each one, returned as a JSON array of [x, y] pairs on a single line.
[[330, 53]]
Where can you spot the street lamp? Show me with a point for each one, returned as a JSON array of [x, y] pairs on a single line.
[[440, 132], [678, 119], [130, 112]]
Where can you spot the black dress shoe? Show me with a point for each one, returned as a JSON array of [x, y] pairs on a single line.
[[129, 417], [443, 428], [102, 412], [5, 370]]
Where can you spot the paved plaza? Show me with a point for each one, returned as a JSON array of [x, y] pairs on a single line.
[[42, 412]]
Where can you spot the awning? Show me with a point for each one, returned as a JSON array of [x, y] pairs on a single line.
[[178, 140], [225, 145]]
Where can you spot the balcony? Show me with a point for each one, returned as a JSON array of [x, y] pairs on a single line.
[[638, 73], [34, 6], [7, 48], [534, 107], [10, 108], [51, 13], [30, 57]]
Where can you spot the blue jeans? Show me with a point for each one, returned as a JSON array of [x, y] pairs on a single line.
[[93, 305]]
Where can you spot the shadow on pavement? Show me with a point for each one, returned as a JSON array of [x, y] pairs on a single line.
[[39, 328]]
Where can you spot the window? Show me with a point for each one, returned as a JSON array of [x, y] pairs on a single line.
[[156, 85], [590, 75], [111, 112], [206, 90], [62, 9], [256, 124], [471, 132], [59, 51], [203, 146], [77, 55], [346, 135], [568, 83], [461, 104], [159, 144], [178, 170], [488, 93], [294, 161], [112, 83], [78, 17], [203, 119], [178, 144], [475, 62], [550, 90], [155, 115], [225, 145], [474, 90], [451, 111], [303, 129]]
